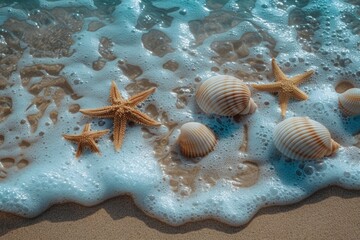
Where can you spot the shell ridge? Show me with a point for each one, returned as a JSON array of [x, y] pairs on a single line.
[[313, 150], [196, 140], [223, 95], [349, 102], [309, 139], [202, 141], [292, 147], [303, 139], [322, 133]]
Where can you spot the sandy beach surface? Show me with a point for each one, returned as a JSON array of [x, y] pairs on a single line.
[[332, 213]]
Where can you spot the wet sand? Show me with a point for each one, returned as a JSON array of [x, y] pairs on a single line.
[[332, 213]]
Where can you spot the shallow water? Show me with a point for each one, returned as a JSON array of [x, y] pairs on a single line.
[[60, 56]]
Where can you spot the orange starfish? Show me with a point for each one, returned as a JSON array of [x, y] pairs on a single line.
[[86, 138], [121, 111], [286, 87]]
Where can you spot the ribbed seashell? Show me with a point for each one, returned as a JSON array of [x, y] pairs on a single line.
[[196, 140], [225, 95], [301, 138], [349, 102]]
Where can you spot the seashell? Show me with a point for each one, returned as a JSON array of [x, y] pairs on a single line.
[[349, 102], [196, 140], [225, 95], [301, 138]]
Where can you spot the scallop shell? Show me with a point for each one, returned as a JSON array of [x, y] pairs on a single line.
[[349, 102], [196, 140], [225, 95], [301, 138]]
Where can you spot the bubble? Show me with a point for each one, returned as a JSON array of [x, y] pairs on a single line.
[[183, 12]]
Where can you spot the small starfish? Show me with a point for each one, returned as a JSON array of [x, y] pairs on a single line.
[[286, 87], [121, 111], [86, 138]]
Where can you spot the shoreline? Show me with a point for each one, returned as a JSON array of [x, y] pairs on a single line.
[[332, 212]]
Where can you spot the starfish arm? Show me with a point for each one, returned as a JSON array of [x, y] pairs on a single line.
[[86, 128], [302, 77], [142, 118], [97, 134], [93, 146], [138, 98], [283, 101], [278, 73], [119, 130], [104, 112], [115, 95], [71, 137], [269, 87], [299, 95], [79, 150]]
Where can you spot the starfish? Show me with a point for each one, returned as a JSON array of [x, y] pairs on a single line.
[[286, 87], [121, 111], [86, 138]]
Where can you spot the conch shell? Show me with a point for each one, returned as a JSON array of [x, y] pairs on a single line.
[[301, 138], [226, 96], [349, 102], [196, 140]]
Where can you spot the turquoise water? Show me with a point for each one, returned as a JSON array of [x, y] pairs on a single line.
[[60, 56]]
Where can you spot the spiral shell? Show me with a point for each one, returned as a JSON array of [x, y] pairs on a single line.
[[301, 138], [196, 140], [349, 102], [225, 95]]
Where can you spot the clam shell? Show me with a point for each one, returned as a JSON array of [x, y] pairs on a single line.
[[225, 95], [301, 138], [196, 140], [349, 102]]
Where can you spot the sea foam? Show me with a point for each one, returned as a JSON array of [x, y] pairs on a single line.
[[173, 45]]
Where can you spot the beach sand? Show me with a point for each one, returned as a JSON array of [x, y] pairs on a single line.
[[332, 213]]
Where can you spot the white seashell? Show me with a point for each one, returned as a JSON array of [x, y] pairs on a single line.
[[225, 95], [196, 140], [301, 138], [349, 102]]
